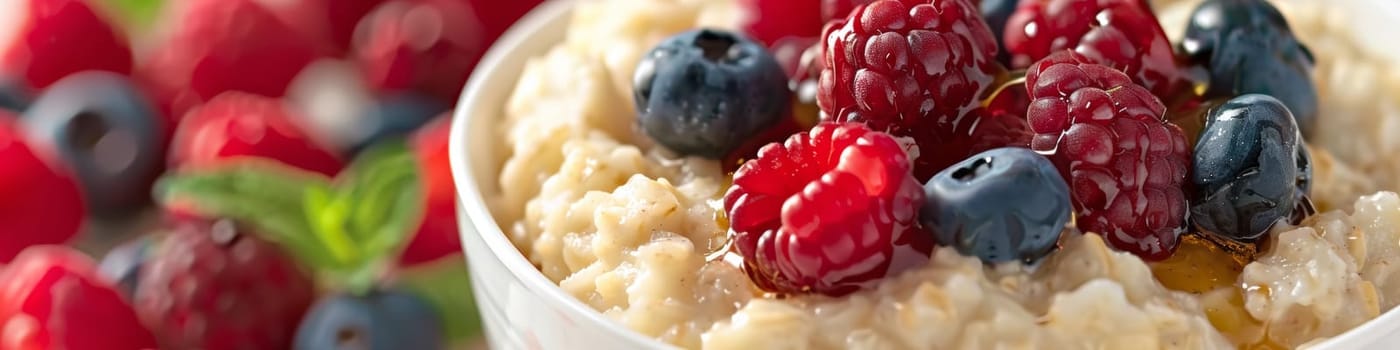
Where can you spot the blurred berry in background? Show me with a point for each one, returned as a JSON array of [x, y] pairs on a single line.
[[266, 174]]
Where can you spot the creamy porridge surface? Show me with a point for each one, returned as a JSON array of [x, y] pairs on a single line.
[[633, 232]]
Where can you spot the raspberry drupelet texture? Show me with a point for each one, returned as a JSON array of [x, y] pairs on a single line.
[[211, 286], [1122, 34], [914, 69], [1125, 164], [828, 211]]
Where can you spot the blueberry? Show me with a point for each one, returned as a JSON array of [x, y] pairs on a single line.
[[123, 263], [109, 135], [996, 12], [1247, 168], [14, 96], [1000, 205], [396, 116], [1248, 47], [704, 92], [388, 319]]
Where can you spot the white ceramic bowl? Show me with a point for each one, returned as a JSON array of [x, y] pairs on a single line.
[[522, 309]]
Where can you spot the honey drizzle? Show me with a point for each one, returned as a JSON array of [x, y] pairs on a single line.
[[1202, 264]]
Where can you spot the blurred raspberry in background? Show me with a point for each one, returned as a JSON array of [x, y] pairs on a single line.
[[315, 130]]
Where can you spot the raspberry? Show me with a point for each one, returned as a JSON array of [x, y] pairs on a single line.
[[51, 297], [224, 45], [1125, 164], [1122, 34], [42, 201], [497, 16], [208, 286], [837, 9], [915, 71], [420, 45], [46, 40], [437, 233], [238, 124], [829, 211], [769, 21]]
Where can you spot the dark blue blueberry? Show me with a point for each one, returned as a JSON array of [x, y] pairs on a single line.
[[381, 320], [1246, 168], [109, 135], [996, 12], [1000, 205], [396, 116], [705, 92], [1248, 47], [123, 263], [13, 95]]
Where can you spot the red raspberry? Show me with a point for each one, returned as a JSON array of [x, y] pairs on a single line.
[[237, 125], [1126, 165], [424, 45], [437, 234], [208, 286], [1122, 34], [838, 9], [50, 39], [51, 297], [42, 203], [769, 21], [330, 23], [224, 45], [829, 211], [497, 16], [344, 16], [912, 68]]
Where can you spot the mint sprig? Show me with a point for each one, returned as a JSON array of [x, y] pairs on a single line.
[[348, 228]]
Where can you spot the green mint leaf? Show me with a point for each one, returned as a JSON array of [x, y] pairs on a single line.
[[384, 197], [269, 196], [137, 15], [446, 285], [329, 210], [364, 221]]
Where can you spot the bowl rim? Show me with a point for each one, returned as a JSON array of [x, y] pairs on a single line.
[[470, 199], [472, 203]]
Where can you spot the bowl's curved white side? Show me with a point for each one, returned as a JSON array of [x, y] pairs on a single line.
[[521, 309]]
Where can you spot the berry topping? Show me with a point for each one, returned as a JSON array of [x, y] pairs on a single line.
[[343, 16], [1125, 165], [109, 132], [42, 203], [1249, 48], [1247, 173], [705, 92], [769, 21], [208, 286], [379, 320], [1122, 34], [828, 211], [496, 16], [915, 71], [237, 124], [52, 298], [1000, 205], [43, 41], [223, 45], [429, 46], [437, 234]]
